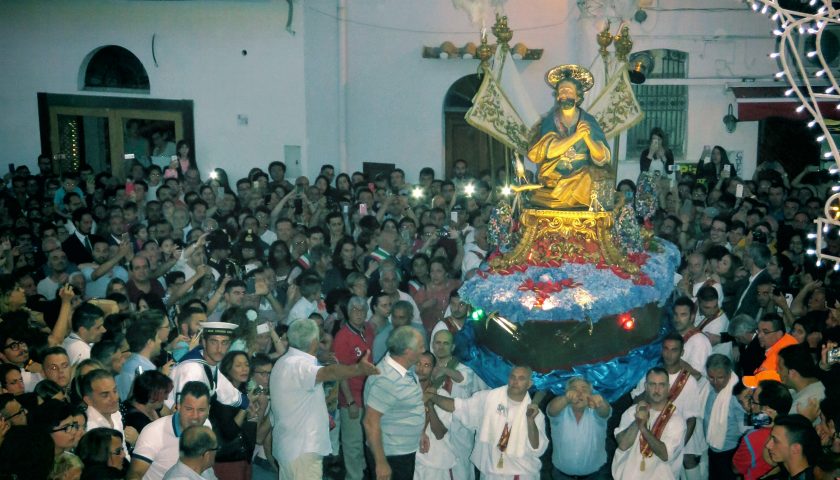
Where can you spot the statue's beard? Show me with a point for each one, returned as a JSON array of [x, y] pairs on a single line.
[[567, 103]]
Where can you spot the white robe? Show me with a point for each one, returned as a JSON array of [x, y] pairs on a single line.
[[471, 412], [436, 464], [627, 464], [690, 403]]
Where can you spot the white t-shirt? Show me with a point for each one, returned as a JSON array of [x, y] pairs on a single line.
[[77, 349], [157, 445], [299, 408]]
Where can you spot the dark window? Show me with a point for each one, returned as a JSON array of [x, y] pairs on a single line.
[[115, 68]]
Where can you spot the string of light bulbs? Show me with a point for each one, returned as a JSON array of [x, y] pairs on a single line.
[[790, 24]]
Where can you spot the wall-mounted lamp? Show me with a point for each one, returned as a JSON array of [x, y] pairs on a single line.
[[641, 64], [730, 121]]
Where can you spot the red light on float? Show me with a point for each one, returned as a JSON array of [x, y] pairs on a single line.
[[626, 321]]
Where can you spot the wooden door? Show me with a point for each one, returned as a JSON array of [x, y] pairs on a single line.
[[463, 141]]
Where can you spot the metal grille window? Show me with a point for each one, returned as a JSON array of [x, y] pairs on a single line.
[[665, 106]]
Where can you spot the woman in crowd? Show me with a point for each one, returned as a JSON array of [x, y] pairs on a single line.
[[49, 390], [433, 298], [717, 166], [808, 330], [145, 403], [246, 330], [343, 264], [185, 160], [419, 276], [657, 157], [235, 428], [343, 185], [780, 269], [796, 250], [101, 450]]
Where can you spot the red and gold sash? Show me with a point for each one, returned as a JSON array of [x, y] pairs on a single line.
[[451, 326], [708, 320], [502, 445], [658, 428], [699, 328], [690, 333], [679, 383]]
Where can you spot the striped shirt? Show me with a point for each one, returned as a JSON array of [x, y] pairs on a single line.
[[396, 394]]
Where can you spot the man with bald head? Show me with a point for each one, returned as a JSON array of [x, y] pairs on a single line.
[[510, 430], [197, 447]]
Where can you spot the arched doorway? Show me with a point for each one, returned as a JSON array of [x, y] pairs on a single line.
[[483, 154]]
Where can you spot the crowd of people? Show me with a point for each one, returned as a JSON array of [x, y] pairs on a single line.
[[179, 328]]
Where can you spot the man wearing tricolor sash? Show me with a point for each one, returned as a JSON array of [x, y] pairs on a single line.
[[688, 396], [510, 430], [650, 434]]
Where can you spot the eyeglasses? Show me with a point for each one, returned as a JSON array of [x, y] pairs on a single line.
[[67, 428], [257, 372], [14, 346], [22, 411], [767, 332]]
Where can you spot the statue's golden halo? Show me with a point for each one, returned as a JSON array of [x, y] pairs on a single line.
[[570, 71]]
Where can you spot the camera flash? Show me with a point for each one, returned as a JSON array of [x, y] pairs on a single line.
[[417, 192], [469, 189]]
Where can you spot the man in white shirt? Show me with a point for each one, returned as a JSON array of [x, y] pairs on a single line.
[[474, 253], [650, 434], [88, 323], [510, 430], [156, 449], [299, 411], [99, 392], [711, 320], [697, 348]]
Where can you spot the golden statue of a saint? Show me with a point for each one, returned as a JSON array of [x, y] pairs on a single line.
[[572, 149]]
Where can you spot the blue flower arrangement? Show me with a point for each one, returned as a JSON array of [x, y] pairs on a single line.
[[600, 292]]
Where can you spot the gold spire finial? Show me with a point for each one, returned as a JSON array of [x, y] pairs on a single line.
[[623, 44], [485, 52], [604, 39], [501, 30]]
